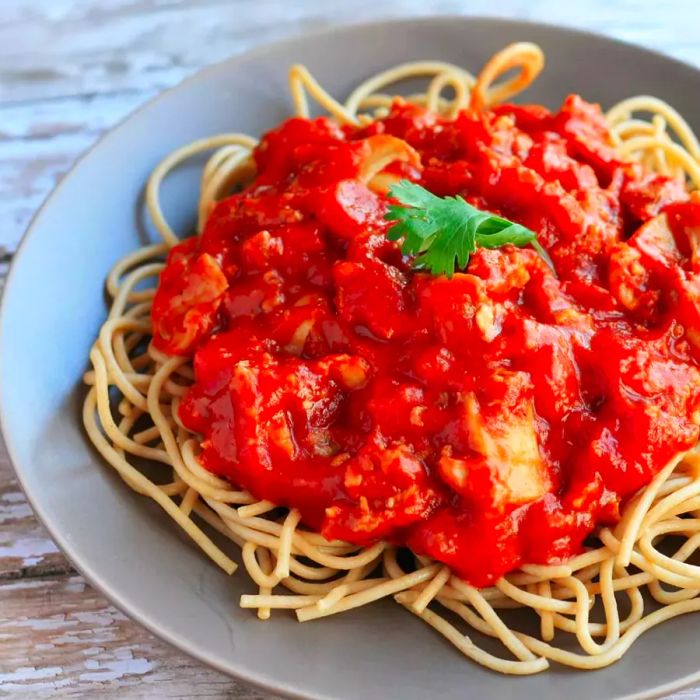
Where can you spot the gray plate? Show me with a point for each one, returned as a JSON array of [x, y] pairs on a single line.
[[54, 305]]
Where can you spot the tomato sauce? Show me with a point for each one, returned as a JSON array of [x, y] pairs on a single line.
[[488, 420]]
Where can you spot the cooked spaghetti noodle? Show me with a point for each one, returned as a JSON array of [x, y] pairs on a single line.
[[600, 598]]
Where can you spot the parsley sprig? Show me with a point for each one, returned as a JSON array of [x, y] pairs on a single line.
[[443, 232]]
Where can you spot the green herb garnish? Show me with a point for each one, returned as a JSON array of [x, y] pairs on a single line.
[[442, 232]]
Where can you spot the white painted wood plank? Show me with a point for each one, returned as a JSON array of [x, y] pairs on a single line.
[[73, 47], [25, 548], [40, 141], [58, 638]]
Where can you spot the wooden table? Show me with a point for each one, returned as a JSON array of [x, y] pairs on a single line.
[[70, 69]]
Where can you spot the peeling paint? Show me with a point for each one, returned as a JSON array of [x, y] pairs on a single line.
[[13, 504], [116, 670], [29, 673], [91, 651], [29, 549], [13, 497], [101, 618]]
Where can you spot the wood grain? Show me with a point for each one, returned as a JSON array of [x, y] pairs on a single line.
[[26, 551], [60, 638], [40, 141], [59, 48], [69, 70]]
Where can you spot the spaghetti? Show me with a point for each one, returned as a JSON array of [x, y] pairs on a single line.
[[131, 413]]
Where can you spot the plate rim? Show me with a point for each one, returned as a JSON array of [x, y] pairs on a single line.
[[114, 597]]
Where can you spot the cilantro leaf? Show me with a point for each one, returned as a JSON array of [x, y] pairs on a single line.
[[443, 232]]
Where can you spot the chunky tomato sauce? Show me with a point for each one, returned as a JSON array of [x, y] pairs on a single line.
[[488, 420]]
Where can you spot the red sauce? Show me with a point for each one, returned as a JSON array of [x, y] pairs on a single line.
[[488, 420]]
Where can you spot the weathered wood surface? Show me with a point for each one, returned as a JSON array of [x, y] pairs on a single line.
[[69, 70], [60, 638], [25, 550]]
